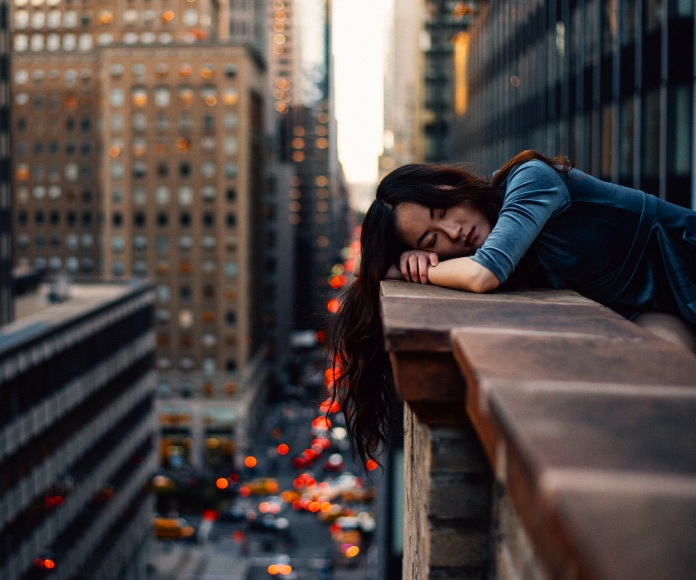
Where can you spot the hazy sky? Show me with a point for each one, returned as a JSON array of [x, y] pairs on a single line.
[[358, 46]]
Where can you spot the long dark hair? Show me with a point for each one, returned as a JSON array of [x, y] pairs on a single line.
[[363, 379]]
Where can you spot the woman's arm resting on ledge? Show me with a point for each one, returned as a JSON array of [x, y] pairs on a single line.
[[463, 274]]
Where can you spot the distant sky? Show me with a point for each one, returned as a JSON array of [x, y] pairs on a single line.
[[358, 47]]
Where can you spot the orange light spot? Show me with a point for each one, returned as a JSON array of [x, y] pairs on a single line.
[[50, 564], [314, 506], [333, 305], [274, 569], [222, 483], [238, 536], [371, 465], [285, 569], [325, 507], [297, 505], [244, 491], [264, 507], [352, 551], [283, 449], [320, 335], [250, 461]]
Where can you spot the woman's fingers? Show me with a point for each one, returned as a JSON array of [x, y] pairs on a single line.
[[414, 265]]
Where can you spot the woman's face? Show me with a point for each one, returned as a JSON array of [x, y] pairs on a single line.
[[450, 233]]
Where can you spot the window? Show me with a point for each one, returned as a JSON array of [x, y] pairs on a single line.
[[117, 98]]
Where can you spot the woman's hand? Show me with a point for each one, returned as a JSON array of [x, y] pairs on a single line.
[[414, 265]]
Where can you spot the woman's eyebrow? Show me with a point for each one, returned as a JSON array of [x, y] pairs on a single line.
[[432, 215]]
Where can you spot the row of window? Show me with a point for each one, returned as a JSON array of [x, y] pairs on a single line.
[[139, 195], [56, 18], [162, 219], [138, 70], [140, 123], [208, 366], [162, 96], [74, 264], [139, 169], [85, 42], [53, 148]]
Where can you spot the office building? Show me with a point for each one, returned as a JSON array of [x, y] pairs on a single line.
[[77, 433], [610, 84], [446, 26], [140, 148]]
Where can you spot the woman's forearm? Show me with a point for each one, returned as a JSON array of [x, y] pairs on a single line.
[[463, 274]]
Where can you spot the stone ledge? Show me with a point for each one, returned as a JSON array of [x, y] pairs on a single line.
[[586, 418]]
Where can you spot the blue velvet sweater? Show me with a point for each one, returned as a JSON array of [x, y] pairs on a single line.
[[626, 249]]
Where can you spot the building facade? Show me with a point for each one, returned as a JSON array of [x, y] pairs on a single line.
[[610, 84], [139, 138], [77, 434]]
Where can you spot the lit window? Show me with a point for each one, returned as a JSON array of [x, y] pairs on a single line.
[[85, 42], [139, 96], [117, 244], [69, 19], [105, 39], [230, 170], [231, 145], [21, 19], [230, 120], [168, 16], [190, 17], [21, 42], [208, 193], [230, 96], [162, 194], [186, 242], [186, 95], [71, 171], [53, 42], [230, 269], [130, 17], [162, 96], [117, 98], [37, 42], [208, 169], [185, 195], [105, 16]]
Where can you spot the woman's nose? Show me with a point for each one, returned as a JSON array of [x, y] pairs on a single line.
[[452, 230]]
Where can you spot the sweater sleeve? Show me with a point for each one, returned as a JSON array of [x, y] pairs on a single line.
[[534, 193]]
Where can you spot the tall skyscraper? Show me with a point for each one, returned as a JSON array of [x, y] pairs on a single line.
[[403, 87], [139, 142], [610, 84]]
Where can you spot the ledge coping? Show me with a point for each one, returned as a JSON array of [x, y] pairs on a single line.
[[586, 418]]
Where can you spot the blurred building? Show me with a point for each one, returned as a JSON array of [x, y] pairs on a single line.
[[77, 433], [404, 115], [446, 27], [610, 84], [6, 304], [139, 138]]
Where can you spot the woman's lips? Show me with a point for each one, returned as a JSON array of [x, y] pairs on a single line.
[[470, 237]]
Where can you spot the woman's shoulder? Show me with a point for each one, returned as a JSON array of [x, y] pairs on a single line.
[[533, 166]]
